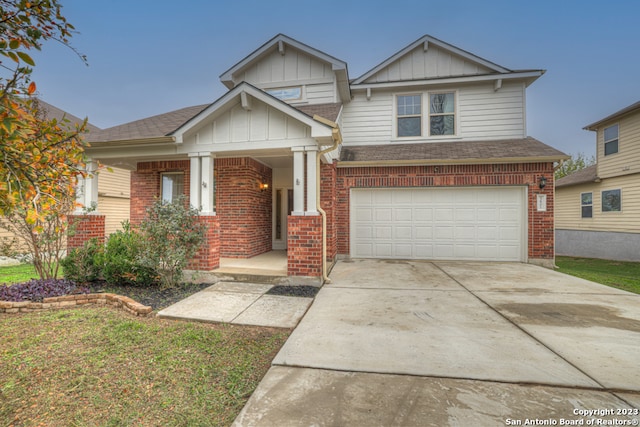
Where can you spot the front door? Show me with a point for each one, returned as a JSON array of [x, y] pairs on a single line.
[[282, 207]]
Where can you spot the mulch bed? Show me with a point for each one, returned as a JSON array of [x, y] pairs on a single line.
[[294, 291]]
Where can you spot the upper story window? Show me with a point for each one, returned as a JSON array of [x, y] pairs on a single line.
[[409, 115], [286, 93], [171, 186], [442, 114], [611, 140]]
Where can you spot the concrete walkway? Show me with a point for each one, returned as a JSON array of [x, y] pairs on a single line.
[[420, 343]]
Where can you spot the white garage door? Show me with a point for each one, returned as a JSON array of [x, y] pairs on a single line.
[[449, 223]]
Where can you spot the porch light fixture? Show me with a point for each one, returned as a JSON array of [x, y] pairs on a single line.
[[542, 182], [264, 186]]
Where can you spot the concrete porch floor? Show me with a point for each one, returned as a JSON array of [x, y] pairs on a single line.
[[272, 263]]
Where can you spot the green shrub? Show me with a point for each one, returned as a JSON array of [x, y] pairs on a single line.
[[122, 265], [84, 265], [172, 234]]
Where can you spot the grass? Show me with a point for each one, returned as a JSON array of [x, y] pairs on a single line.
[[617, 274], [103, 367], [17, 273]]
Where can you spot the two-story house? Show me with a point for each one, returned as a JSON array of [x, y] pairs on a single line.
[[424, 156], [598, 208]]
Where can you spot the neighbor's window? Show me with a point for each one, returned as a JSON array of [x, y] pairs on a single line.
[[611, 201], [171, 186], [286, 93], [611, 140], [586, 200], [442, 114], [409, 115]]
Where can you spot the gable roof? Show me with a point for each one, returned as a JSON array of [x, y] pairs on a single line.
[[156, 126], [583, 176], [278, 43], [489, 69], [53, 112], [318, 128], [500, 151], [627, 110]]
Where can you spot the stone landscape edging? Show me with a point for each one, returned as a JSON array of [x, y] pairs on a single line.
[[127, 304]]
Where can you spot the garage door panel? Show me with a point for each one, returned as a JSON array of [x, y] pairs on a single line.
[[469, 223]]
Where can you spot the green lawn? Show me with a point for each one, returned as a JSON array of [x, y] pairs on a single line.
[[617, 274], [17, 273], [103, 367]]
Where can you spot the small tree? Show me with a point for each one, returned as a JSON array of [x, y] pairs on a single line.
[[172, 236], [575, 163]]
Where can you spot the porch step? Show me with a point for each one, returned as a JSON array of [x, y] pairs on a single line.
[[244, 277]]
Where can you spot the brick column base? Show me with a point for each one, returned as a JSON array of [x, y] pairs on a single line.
[[208, 256], [83, 228], [304, 253]]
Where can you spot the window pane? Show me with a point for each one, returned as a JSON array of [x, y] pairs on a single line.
[[611, 147], [409, 105], [409, 126], [587, 198], [611, 201], [442, 125], [172, 187], [611, 133], [442, 103], [587, 212]]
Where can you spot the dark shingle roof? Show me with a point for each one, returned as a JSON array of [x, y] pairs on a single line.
[[328, 111], [53, 112], [583, 176], [453, 151], [150, 127]]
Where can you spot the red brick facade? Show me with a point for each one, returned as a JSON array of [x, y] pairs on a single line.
[[328, 179], [540, 224], [83, 228], [208, 256], [243, 208], [304, 240]]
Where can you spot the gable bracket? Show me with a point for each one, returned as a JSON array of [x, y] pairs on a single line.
[[497, 85], [425, 46], [245, 101], [281, 47], [368, 93]]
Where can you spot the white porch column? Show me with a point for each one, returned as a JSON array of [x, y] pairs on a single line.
[[87, 189], [298, 181], [312, 177], [194, 181], [207, 195]]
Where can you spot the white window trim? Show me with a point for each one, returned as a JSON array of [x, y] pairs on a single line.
[[602, 198], [604, 141], [583, 205], [455, 113], [162, 174], [301, 98], [396, 117]]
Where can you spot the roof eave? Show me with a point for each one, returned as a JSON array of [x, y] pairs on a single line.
[[132, 142], [425, 162]]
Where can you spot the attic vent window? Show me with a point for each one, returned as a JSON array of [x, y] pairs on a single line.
[[286, 93]]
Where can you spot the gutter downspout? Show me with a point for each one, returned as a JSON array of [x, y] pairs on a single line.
[[337, 140]]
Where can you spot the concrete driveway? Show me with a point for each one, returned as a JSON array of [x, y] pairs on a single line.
[[450, 343]]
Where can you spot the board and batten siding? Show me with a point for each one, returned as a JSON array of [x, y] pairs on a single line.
[[627, 159], [568, 209], [432, 63], [261, 123], [482, 114], [294, 68]]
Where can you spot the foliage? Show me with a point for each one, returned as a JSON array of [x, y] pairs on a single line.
[[122, 255], [36, 290], [575, 163], [8, 246], [40, 158], [85, 264], [172, 235]]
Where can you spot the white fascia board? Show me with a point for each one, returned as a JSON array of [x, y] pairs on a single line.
[[430, 40], [318, 129], [450, 80], [227, 76]]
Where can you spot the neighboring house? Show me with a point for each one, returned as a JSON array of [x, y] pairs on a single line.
[[425, 156], [113, 190], [598, 208]]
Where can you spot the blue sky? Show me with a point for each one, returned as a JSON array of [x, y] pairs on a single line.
[[148, 57]]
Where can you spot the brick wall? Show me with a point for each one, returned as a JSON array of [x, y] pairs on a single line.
[[243, 209], [304, 240], [328, 177], [208, 256], [540, 224], [83, 228]]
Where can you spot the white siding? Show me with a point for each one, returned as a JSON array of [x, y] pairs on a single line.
[[261, 123], [433, 63], [294, 68], [482, 114]]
